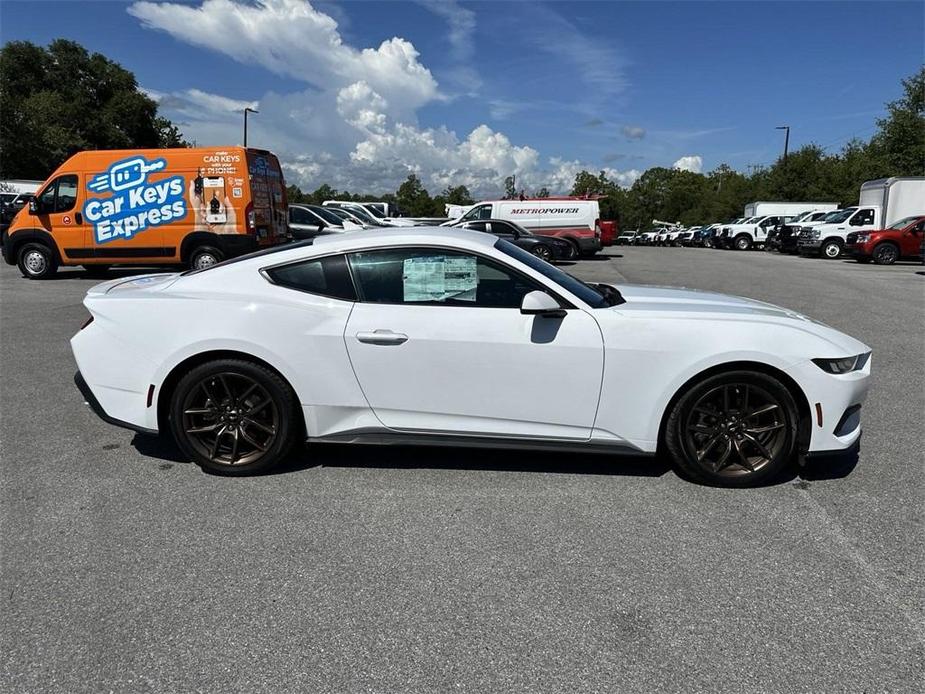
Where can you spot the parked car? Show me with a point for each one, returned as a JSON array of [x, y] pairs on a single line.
[[549, 248], [450, 336], [788, 234], [10, 205], [627, 238], [881, 203], [194, 206], [902, 240], [752, 232], [370, 209], [647, 238], [354, 219], [308, 221]]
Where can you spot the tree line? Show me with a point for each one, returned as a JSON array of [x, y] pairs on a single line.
[[60, 99]]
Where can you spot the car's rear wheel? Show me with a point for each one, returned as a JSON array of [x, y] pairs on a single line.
[[886, 254], [733, 429], [743, 242], [36, 261], [234, 417], [541, 250]]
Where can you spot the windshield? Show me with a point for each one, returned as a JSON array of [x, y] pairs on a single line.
[[841, 215], [326, 215], [374, 211], [363, 214], [585, 292], [903, 223]]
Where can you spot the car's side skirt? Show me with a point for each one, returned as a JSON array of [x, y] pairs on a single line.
[[385, 437]]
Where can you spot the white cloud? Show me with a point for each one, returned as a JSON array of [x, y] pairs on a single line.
[[633, 132], [354, 125], [692, 163]]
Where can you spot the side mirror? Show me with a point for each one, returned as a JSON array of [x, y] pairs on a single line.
[[537, 303], [34, 206]]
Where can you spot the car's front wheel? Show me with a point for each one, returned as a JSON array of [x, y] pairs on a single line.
[[886, 254], [37, 262], [733, 429], [234, 417], [832, 249]]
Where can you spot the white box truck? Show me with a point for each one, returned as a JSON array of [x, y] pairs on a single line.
[[880, 203], [789, 209]]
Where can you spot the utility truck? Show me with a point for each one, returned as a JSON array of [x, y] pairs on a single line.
[[881, 203]]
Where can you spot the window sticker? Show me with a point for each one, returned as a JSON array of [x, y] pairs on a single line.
[[438, 278]]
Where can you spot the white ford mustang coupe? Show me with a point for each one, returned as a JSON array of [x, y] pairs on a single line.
[[421, 335]]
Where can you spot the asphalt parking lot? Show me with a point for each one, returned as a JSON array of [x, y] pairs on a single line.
[[370, 569]]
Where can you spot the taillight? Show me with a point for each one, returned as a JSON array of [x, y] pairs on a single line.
[[88, 321], [597, 228], [251, 218]]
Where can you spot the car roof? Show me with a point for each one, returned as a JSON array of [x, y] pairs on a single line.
[[398, 236]]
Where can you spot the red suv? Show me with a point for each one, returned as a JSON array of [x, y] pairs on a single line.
[[886, 246]]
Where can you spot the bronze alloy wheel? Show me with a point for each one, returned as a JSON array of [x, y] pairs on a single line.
[[230, 419], [736, 429]]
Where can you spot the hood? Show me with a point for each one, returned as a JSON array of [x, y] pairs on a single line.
[[671, 302]]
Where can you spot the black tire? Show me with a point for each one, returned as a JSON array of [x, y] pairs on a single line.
[[886, 253], [735, 435], [36, 261], [239, 401], [541, 250], [96, 270], [832, 249], [204, 257], [742, 242], [576, 248]]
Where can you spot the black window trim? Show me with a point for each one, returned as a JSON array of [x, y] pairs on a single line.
[[264, 271]]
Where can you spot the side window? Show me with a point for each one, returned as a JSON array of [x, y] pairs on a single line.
[[862, 218], [46, 200], [476, 226], [67, 193], [429, 276], [324, 276], [485, 212], [297, 216]]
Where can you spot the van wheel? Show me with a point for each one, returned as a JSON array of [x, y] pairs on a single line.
[[37, 262], [205, 256], [96, 270]]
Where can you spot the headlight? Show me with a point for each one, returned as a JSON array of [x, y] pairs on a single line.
[[863, 238], [816, 233], [844, 365]]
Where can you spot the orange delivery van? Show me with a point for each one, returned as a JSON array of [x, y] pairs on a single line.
[[194, 206]]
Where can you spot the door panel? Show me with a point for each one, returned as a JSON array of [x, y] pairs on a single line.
[[59, 214], [470, 370]]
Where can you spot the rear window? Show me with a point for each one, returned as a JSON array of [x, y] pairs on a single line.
[[326, 276]]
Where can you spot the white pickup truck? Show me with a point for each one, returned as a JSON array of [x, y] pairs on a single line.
[[753, 232], [880, 203]]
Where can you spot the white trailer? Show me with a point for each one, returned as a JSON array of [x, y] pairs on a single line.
[[763, 209]]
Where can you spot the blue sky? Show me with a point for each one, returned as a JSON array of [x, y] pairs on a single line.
[[359, 93]]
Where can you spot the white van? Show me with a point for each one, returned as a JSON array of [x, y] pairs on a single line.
[[576, 219]]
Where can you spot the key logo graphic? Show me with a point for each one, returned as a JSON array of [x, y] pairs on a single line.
[[135, 204]]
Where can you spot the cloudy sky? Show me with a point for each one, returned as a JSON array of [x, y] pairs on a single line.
[[358, 94]]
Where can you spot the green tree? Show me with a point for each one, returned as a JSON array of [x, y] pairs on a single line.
[[457, 196], [61, 99], [542, 193], [899, 144], [413, 198], [510, 192]]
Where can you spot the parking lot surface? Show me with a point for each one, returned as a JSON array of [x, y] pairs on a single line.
[[367, 569]]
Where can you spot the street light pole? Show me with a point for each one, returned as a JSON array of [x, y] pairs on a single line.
[[786, 139], [246, 111]]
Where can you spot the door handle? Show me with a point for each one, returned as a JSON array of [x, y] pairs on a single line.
[[382, 337], [79, 218]]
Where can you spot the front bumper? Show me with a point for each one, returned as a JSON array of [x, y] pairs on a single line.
[[834, 403]]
